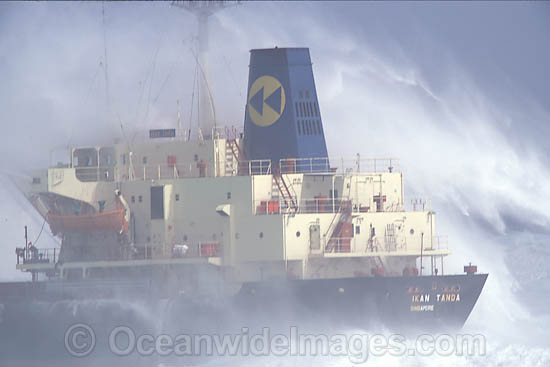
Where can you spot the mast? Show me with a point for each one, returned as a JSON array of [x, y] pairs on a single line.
[[203, 10]]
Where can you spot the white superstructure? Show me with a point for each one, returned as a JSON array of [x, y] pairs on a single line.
[[199, 206]]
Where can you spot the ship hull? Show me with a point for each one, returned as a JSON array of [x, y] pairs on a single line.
[[437, 300], [427, 302], [40, 313]]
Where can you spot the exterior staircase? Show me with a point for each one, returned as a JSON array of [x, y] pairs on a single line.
[[344, 216], [232, 154], [279, 188]]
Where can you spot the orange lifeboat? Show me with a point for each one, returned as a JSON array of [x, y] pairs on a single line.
[[112, 220]]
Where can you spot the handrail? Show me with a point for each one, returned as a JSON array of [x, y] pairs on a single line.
[[322, 165], [421, 204], [342, 244], [33, 255], [166, 171], [304, 206], [440, 242]]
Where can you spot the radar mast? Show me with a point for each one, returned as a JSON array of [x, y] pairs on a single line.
[[203, 10]]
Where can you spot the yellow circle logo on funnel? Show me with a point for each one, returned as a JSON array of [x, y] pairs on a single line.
[[266, 101]]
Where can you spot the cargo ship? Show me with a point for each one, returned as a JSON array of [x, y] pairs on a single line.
[[237, 214], [257, 218]]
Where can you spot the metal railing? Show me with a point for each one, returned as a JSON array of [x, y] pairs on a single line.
[[318, 205], [168, 171], [254, 167], [210, 249], [94, 174], [440, 242], [281, 206], [35, 255], [421, 204], [243, 168], [341, 245], [330, 165], [353, 245]]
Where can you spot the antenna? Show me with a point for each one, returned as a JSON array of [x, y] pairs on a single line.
[[180, 130], [203, 10]]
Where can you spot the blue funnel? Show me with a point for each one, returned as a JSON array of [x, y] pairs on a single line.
[[282, 118]]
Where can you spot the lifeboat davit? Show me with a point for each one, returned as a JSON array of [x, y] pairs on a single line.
[[112, 220]]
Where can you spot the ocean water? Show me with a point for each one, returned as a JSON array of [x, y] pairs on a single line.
[[512, 336], [438, 94]]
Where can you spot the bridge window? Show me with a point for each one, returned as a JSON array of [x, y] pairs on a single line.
[[299, 129], [144, 160], [315, 108]]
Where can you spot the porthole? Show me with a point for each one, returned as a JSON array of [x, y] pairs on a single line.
[[412, 231], [261, 235], [298, 234]]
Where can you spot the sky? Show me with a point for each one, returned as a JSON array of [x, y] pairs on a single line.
[[460, 92]]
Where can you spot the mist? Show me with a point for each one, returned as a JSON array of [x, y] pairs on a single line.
[[458, 91]]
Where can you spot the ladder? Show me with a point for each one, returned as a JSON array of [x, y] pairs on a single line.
[[380, 269], [280, 186], [232, 154], [389, 237], [344, 216]]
